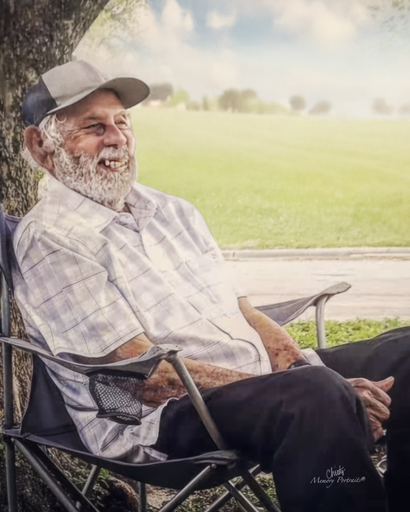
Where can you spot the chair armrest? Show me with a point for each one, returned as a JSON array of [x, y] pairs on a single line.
[[286, 312], [320, 304], [117, 387], [145, 364]]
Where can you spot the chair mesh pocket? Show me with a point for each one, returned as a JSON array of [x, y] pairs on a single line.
[[118, 395]]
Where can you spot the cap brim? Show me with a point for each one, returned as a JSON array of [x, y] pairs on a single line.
[[130, 92]]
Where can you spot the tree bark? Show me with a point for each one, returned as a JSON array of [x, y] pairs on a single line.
[[36, 35]]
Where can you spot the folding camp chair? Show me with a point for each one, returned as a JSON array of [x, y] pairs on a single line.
[[116, 388]]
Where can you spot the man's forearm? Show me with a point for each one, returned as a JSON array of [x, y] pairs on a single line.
[[281, 348], [165, 383]]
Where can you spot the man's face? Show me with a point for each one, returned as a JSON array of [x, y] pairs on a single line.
[[97, 122], [97, 155]]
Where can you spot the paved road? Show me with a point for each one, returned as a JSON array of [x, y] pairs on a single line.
[[380, 283]]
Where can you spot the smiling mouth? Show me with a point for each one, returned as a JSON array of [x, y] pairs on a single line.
[[113, 165]]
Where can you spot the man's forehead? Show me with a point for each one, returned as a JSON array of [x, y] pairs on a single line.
[[95, 106]]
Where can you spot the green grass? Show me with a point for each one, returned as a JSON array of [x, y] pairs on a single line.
[[338, 333], [269, 181]]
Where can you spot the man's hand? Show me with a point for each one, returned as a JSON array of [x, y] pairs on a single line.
[[375, 398]]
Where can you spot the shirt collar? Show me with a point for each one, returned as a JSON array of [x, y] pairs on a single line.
[[141, 203]]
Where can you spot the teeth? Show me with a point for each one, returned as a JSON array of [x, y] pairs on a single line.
[[114, 164]]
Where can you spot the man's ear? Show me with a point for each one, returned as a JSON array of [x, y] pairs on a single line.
[[42, 154]]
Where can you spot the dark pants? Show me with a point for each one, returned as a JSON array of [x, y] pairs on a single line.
[[376, 359], [308, 426]]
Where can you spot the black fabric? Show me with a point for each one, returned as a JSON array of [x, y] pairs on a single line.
[[284, 312], [298, 425], [46, 415], [118, 395], [174, 474], [376, 359], [37, 102], [4, 256], [298, 364]]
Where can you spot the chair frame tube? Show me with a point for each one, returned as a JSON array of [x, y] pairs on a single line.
[[7, 353], [320, 321], [92, 478], [197, 400], [213, 431], [187, 490], [142, 497], [223, 500], [259, 492], [51, 474], [61, 496], [242, 500]]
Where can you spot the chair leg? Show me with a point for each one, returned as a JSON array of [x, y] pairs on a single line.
[[223, 500], [11, 474], [240, 498], [249, 480], [142, 495], [260, 493], [320, 321], [92, 478], [187, 490], [64, 490]]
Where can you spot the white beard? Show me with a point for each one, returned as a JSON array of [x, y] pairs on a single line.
[[83, 174]]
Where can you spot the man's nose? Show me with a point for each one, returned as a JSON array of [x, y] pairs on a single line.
[[113, 136]]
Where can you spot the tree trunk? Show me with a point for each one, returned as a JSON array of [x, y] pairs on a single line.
[[36, 35]]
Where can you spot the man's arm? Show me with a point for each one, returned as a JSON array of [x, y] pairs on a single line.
[[281, 348], [165, 383]]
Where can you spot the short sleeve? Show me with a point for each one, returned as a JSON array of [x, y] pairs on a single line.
[[67, 294]]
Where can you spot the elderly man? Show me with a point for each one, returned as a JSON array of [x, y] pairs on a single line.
[[111, 267]]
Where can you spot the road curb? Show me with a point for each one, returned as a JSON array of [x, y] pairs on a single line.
[[318, 253]]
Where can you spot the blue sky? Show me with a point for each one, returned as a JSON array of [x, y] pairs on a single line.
[[322, 49]]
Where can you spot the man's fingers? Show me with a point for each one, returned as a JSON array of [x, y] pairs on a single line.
[[376, 400], [376, 428], [378, 393], [380, 411], [385, 384], [373, 404]]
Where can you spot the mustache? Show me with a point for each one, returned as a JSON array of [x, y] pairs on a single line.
[[105, 154]]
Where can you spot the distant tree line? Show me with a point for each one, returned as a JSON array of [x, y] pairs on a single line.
[[247, 101], [244, 101], [381, 107]]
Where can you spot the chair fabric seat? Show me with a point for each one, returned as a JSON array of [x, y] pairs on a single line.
[[48, 423]]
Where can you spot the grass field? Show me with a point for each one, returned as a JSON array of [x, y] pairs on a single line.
[[267, 181], [338, 333]]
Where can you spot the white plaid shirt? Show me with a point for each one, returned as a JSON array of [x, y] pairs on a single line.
[[92, 279]]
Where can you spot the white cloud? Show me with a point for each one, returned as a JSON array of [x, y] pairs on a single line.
[[166, 31], [217, 20], [166, 49], [331, 22], [174, 18], [166, 54], [174, 59]]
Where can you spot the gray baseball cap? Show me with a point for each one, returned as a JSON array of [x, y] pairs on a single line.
[[64, 85]]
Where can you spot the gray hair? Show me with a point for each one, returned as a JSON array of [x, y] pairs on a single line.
[[50, 129]]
